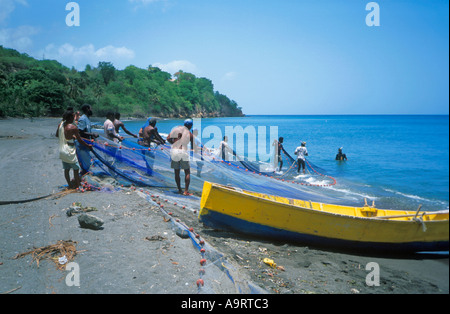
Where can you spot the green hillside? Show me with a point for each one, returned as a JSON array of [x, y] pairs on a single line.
[[33, 88]]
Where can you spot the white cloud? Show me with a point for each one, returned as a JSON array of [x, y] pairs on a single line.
[[115, 52], [7, 7], [176, 65], [18, 38], [229, 76], [79, 57]]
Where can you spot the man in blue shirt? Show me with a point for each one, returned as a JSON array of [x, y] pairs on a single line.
[[85, 129], [84, 123]]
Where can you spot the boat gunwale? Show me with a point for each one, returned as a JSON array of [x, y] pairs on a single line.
[[297, 207]]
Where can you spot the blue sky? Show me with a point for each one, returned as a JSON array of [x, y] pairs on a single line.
[[271, 57]]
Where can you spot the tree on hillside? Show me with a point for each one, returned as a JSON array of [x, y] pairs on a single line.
[[107, 70]]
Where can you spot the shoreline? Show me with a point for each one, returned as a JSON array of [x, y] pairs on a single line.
[[121, 258]]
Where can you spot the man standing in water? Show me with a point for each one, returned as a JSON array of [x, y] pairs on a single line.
[[198, 149], [280, 149], [67, 132], [340, 155], [301, 152], [150, 135], [119, 124], [110, 130], [179, 137]]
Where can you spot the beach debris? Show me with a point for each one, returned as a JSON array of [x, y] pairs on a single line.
[[270, 262], [182, 233], [50, 219], [155, 238], [62, 260], [77, 208], [263, 250], [12, 290], [90, 222], [60, 253]]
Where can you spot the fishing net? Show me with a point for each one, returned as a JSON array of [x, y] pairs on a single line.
[[130, 163]]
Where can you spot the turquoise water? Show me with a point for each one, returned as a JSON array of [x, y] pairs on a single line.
[[399, 161]]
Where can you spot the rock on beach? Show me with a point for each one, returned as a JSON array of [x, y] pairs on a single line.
[[90, 222]]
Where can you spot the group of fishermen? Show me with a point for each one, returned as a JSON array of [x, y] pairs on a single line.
[[76, 127], [301, 152]]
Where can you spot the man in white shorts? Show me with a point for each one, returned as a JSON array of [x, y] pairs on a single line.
[[179, 137], [301, 152]]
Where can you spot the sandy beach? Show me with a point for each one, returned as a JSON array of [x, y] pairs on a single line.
[[141, 249]]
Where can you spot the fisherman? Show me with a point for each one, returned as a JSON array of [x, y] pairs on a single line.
[[76, 117], [225, 149], [109, 129], [85, 130], [146, 124], [179, 137], [67, 132], [341, 156], [119, 124], [301, 152], [150, 135], [75, 121], [279, 149], [199, 148], [84, 123]]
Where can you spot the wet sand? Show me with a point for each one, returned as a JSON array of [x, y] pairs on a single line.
[[138, 249]]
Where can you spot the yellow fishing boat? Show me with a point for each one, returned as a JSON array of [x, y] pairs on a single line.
[[366, 227]]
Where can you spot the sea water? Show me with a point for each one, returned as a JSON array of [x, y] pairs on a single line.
[[398, 161]]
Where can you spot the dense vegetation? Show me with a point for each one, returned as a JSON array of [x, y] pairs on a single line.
[[32, 88]]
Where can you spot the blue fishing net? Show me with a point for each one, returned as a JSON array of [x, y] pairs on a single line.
[[151, 167]]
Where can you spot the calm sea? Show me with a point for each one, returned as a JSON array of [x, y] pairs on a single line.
[[400, 161]]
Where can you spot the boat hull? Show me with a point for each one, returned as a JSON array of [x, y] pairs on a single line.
[[227, 209]]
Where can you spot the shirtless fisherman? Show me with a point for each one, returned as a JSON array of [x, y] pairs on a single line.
[[67, 133], [119, 124], [150, 135], [180, 137]]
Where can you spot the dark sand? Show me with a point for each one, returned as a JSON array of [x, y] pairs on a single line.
[[138, 250]]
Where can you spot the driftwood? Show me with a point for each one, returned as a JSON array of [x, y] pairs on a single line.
[[53, 252]]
